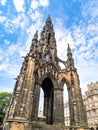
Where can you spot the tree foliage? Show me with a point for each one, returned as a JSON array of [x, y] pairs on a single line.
[[4, 102]]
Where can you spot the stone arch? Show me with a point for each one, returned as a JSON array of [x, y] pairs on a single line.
[[64, 84], [69, 87], [55, 83], [92, 128], [64, 81], [48, 89]]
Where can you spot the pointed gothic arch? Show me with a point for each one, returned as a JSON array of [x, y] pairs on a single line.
[[64, 81], [47, 87], [71, 93]]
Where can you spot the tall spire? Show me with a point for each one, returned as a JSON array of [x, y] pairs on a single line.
[[34, 43], [69, 53], [47, 42], [36, 35], [48, 21], [70, 60]]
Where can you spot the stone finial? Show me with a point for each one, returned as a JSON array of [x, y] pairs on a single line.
[[36, 35], [70, 60], [34, 43], [48, 21], [69, 50]]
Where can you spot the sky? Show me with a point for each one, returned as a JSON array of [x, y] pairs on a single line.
[[75, 22]]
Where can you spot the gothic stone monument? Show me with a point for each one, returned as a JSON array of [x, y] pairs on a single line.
[[41, 69]]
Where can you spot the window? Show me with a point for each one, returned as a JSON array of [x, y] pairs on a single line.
[[94, 112], [47, 57]]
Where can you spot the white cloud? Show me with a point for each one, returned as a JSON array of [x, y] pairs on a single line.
[[3, 2], [44, 3], [21, 21], [22, 46], [6, 42], [34, 4], [87, 73], [37, 3], [6, 89], [19, 5], [10, 63], [2, 19], [3, 66], [90, 10]]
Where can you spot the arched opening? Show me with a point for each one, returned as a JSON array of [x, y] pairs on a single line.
[[47, 87], [41, 104], [65, 93], [66, 105], [92, 128]]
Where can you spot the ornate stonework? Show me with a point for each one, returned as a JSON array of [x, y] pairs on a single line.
[[41, 69]]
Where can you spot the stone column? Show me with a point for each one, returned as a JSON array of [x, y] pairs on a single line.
[[36, 102], [58, 107], [45, 102]]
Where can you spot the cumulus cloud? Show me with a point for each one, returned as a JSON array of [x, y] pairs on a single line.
[[37, 3], [2, 19], [34, 4], [14, 51], [3, 2], [6, 42], [44, 3], [19, 5], [90, 9], [6, 89], [3, 66]]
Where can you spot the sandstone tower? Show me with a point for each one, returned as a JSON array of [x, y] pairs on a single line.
[[41, 69]]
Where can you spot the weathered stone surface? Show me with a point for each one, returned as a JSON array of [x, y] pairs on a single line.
[[41, 69]]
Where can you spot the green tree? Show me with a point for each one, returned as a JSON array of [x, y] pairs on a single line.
[[4, 102]]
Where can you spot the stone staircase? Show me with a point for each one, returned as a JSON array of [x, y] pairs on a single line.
[[51, 127], [43, 126]]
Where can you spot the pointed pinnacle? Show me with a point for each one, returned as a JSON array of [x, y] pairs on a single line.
[[48, 20], [36, 35], [68, 49], [49, 17]]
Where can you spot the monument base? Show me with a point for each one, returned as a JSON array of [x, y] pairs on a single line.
[[39, 125]]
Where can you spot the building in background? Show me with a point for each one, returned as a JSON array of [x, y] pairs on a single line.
[[40, 112], [91, 105], [66, 114]]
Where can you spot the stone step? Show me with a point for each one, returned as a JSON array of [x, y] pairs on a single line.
[[51, 127], [44, 126]]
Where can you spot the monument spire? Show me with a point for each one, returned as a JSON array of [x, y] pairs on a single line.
[[48, 21], [47, 42], [34, 43], [69, 51], [70, 60]]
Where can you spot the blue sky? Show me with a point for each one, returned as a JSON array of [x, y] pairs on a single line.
[[75, 22]]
